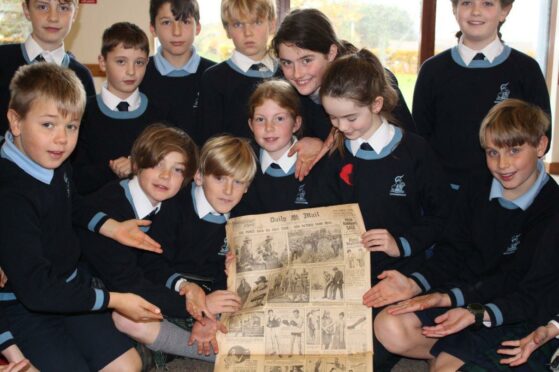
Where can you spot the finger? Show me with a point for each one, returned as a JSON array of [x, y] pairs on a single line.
[[206, 348], [215, 346], [207, 313], [221, 327], [515, 351], [511, 343], [191, 340]]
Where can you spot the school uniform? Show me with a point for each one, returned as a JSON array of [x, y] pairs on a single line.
[[6, 337], [116, 265], [225, 90], [275, 187], [455, 90], [194, 245], [177, 88], [398, 185], [316, 123], [107, 133], [53, 312], [17, 55]]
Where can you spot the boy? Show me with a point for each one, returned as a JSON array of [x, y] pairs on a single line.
[[114, 118], [163, 160], [487, 255], [59, 321], [226, 87], [51, 21], [173, 74]]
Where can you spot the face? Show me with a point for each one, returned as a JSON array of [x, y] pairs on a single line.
[[250, 36], [304, 68], [352, 120], [44, 135], [273, 128], [514, 167], [223, 192], [478, 20], [125, 69], [51, 21], [163, 181], [176, 36]]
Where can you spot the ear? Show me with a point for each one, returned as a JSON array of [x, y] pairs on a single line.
[[102, 63], [198, 28], [25, 10], [272, 27], [505, 12], [376, 107], [542, 146], [198, 179], [332, 53], [152, 30], [227, 31], [250, 125], [297, 124], [75, 15], [14, 120]]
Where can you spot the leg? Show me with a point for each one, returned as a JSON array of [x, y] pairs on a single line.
[[128, 362], [401, 334], [445, 363]]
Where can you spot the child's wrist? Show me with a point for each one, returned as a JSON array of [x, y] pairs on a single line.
[[13, 354]]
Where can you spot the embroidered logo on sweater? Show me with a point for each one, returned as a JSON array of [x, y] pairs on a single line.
[[346, 174], [503, 94], [397, 188], [514, 243], [67, 185], [301, 195], [224, 248], [195, 103]]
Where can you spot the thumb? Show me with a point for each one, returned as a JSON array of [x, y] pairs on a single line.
[[142, 222], [441, 318], [383, 275], [221, 327]]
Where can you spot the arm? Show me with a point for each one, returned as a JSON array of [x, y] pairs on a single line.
[[518, 352], [424, 104]]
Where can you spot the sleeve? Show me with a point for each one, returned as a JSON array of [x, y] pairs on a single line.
[[424, 104], [401, 112], [6, 337], [88, 84], [33, 279], [210, 112], [86, 211]]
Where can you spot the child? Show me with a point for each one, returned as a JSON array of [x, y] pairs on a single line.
[[456, 88], [306, 44], [173, 74], [114, 118], [391, 173], [226, 87], [195, 245], [50, 21], [275, 121], [59, 320], [487, 256]]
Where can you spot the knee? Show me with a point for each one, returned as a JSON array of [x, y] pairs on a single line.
[[130, 361], [133, 329], [392, 332]]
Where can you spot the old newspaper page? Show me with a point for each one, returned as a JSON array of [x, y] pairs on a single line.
[[301, 276]]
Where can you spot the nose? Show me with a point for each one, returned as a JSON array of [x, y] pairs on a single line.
[[342, 125], [130, 68], [269, 126], [247, 29], [476, 7], [177, 28], [53, 13], [228, 187], [504, 161], [297, 70], [61, 136], [165, 174]]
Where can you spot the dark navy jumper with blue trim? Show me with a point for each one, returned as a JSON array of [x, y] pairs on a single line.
[[451, 99], [13, 57], [6, 337], [179, 93], [106, 135]]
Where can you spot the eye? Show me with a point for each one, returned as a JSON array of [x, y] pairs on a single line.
[[307, 60], [237, 24], [515, 150], [259, 22], [179, 170], [285, 63], [72, 127], [140, 62], [120, 61], [65, 7], [281, 118], [239, 182], [47, 125], [259, 119], [352, 118], [42, 7], [488, 3], [165, 22], [491, 153], [187, 21]]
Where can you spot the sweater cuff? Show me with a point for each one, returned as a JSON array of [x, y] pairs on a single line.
[[555, 323], [6, 340], [456, 297], [101, 299], [97, 221], [421, 281], [404, 247], [495, 314], [173, 279]]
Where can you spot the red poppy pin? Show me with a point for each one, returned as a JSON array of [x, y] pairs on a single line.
[[346, 174]]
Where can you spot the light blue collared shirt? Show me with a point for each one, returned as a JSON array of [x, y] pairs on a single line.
[[285, 162], [243, 62], [378, 140], [142, 205], [111, 101], [167, 69], [12, 153], [524, 201], [33, 49], [491, 51]]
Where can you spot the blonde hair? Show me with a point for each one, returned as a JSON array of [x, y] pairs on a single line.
[[227, 155], [157, 141], [263, 9], [47, 81], [512, 123]]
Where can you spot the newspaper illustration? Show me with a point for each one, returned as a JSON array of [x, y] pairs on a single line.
[[301, 276]]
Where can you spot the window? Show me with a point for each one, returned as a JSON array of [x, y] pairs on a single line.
[[14, 28], [212, 42]]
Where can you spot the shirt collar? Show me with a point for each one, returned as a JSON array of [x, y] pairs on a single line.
[[203, 206], [33, 49], [111, 101], [12, 153], [491, 51], [165, 68], [243, 62], [380, 138], [285, 162], [142, 205], [524, 201]]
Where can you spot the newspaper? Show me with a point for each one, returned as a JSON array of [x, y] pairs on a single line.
[[301, 276]]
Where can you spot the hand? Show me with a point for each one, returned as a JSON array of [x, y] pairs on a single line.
[[3, 278], [122, 166], [223, 302], [393, 287], [134, 307], [230, 258], [520, 350], [380, 240], [23, 366], [204, 336], [307, 150], [195, 301], [453, 321], [419, 303], [128, 233]]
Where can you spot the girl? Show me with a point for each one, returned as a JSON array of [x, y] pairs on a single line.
[[275, 121], [455, 89], [306, 44]]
